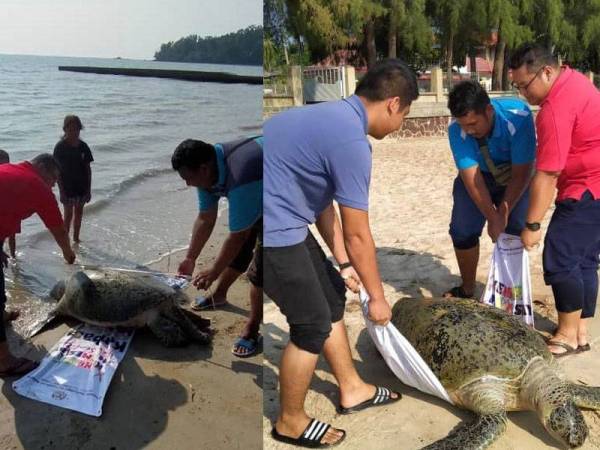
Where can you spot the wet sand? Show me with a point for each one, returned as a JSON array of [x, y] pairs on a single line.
[[160, 398], [410, 204]]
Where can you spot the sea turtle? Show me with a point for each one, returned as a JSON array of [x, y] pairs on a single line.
[[114, 298], [490, 363]]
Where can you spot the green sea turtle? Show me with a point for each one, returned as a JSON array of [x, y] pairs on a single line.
[[113, 298], [489, 362]]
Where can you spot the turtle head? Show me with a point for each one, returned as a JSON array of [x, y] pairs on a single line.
[[58, 290], [565, 422]]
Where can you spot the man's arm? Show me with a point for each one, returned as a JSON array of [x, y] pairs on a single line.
[[541, 194], [361, 250], [3, 256], [330, 230], [62, 239], [519, 180], [478, 191], [61, 189], [203, 227], [12, 246], [230, 249]]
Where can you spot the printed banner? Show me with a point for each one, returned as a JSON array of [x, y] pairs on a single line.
[[77, 372], [509, 283]]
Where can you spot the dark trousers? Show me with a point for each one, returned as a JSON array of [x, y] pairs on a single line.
[[467, 221], [570, 259]]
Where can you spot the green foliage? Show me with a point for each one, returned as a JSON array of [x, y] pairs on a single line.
[[242, 47], [423, 32]]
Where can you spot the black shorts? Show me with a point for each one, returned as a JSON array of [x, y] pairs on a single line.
[[244, 256], [255, 271], [308, 290]]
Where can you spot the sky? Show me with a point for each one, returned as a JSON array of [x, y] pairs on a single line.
[[116, 28]]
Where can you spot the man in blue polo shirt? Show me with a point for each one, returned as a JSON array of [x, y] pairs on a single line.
[[232, 170], [313, 156], [493, 144]]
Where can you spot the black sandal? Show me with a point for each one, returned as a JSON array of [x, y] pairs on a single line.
[[568, 349], [457, 292], [583, 348], [382, 396], [311, 437]]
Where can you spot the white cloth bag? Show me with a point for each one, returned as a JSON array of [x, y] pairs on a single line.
[[401, 357], [509, 283]]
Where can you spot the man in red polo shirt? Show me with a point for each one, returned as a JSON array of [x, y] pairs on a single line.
[[568, 160], [26, 188]]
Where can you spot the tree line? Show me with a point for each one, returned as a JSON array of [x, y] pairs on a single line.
[[426, 32], [242, 47]]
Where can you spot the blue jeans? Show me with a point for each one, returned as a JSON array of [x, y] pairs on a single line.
[[467, 221]]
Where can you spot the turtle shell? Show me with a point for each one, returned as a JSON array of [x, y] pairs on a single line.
[[463, 340], [111, 297]]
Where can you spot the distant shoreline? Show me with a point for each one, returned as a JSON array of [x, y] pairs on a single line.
[[188, 75]]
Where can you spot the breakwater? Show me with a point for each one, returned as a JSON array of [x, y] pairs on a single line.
[[189, 75]]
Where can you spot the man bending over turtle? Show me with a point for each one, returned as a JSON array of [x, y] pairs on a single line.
[[232, 170], [493, 144], [26, 188]]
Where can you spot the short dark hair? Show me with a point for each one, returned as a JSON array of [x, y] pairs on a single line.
[[533, 56], [389, 78], [467, 96], [4, 158], [192, 153], [46, 163]]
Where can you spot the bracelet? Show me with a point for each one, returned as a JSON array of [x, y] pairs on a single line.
[[345, 265]]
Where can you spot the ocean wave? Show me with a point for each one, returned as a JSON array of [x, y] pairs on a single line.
[[126, 184], [109, 195], [108, 148], [250, 128]]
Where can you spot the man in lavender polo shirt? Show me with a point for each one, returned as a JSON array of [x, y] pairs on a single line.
[[568, 165], [313, 156]]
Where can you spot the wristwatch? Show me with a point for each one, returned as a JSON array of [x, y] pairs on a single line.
[[532, 226]]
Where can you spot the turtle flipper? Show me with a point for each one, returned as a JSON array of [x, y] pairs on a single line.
[[585, 396], [168, 332], [475, 435], [192, 331]]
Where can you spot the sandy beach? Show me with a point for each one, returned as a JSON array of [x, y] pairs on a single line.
[[160, 398], [410, 204]]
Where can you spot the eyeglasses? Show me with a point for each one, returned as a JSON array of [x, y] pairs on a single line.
[[524, 88]]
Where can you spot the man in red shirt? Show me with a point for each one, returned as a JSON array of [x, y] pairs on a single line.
[[568, 160], [26, 188]]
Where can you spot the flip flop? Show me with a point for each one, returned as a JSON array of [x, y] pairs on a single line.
[[21, 367], [382, 396], [583, 348], [457, 292], [310, 437], [569, 350], [202, 303], [249, 344]]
